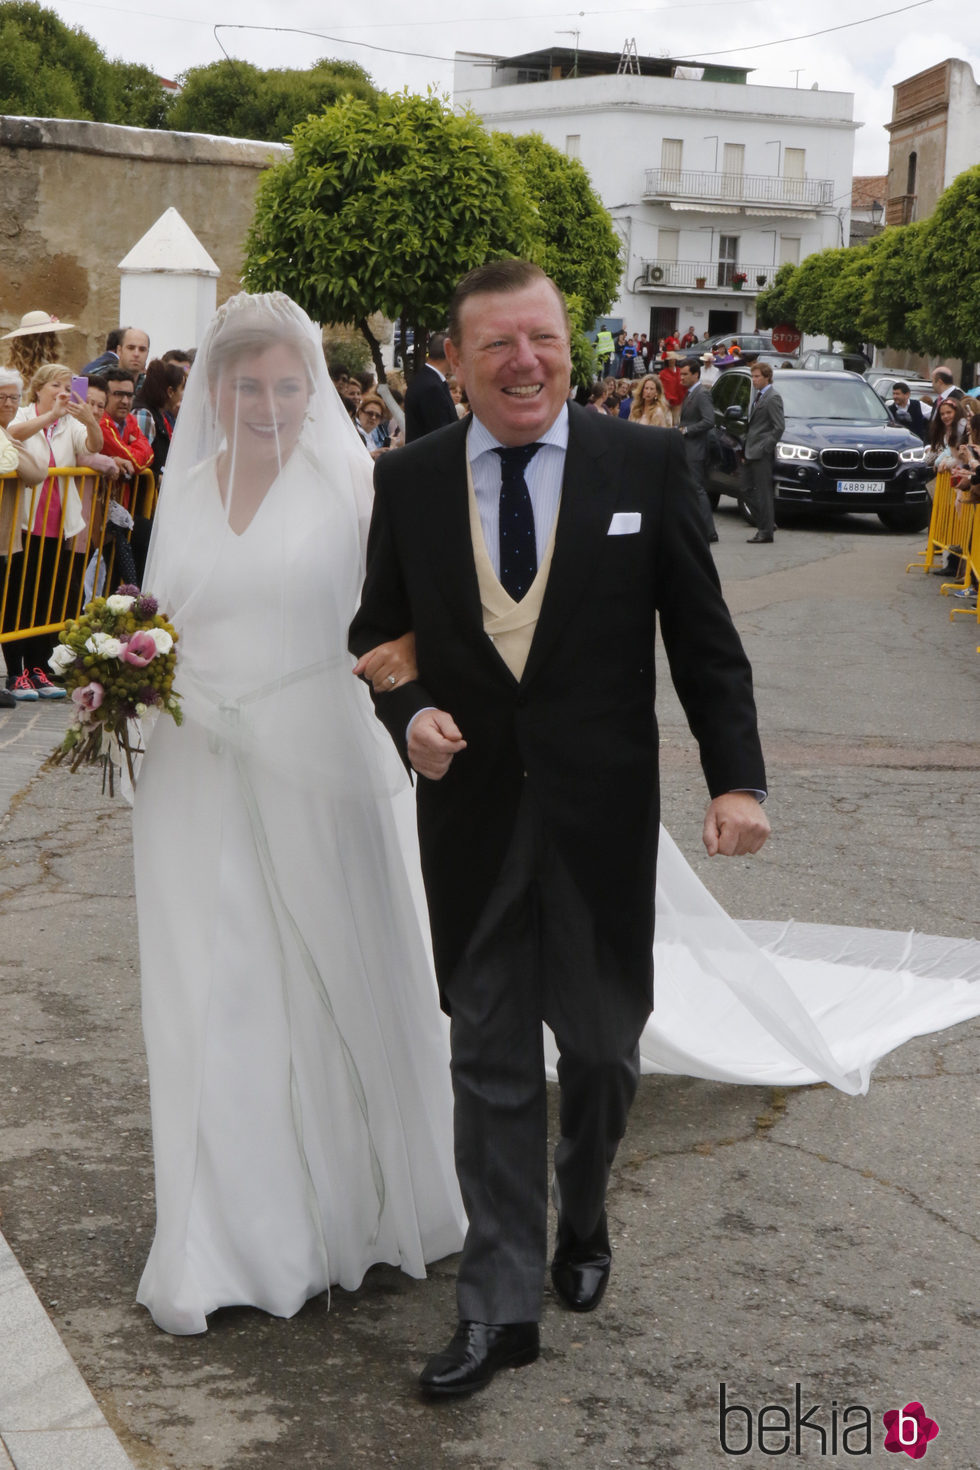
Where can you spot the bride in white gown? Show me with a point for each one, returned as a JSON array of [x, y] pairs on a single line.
[[298, 1061], [298, 1080]]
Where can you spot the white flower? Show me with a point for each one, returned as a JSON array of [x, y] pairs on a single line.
[[62, 659], [162, 639], [141, 710], [117, 604], [103, 646]]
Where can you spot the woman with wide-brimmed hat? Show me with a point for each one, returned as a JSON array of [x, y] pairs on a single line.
[[34, 342]]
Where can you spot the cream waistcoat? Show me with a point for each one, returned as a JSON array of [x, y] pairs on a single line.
[[508, 624]]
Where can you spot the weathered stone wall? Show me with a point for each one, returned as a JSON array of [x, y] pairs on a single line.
[[76, 196]]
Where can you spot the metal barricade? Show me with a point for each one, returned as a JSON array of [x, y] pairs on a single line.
[[43, 576], [942, 525]]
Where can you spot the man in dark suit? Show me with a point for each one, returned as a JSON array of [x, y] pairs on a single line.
[[697, 424], [944, 386], [428, 402], [907, 411], [531, 549], [766, 424]]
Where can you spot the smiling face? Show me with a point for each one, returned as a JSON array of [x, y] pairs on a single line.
[[261, 401], [947, 412], [513, 360], [56, 393], [95, 398]]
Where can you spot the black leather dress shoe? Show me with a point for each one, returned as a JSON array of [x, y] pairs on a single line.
[[475, 1353], [759, 537], [580, 1269]]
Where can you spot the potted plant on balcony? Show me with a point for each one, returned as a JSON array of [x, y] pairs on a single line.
[[760, 280], [739, 279], [700, 282]]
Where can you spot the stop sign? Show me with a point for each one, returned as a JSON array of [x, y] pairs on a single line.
[[785, 338]]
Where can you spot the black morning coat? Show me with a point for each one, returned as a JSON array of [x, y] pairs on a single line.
[[579, 728]]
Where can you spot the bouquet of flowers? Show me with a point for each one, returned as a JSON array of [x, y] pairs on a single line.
[[117, 661]]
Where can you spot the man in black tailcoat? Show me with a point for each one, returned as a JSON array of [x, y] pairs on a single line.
[[532, 549]]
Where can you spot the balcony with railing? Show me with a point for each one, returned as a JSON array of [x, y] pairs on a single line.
[[731, 190], [704, 275]]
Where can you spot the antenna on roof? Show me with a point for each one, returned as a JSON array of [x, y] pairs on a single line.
[[629, 62]]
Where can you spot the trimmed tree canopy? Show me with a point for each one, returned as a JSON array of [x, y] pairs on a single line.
[[382, 207], [579, 247], [946, 253], [48, 69], [236, 100]]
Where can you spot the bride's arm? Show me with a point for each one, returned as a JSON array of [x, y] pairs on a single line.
[[389, 665]]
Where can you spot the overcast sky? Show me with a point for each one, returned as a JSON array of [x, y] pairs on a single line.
[[866, 59]]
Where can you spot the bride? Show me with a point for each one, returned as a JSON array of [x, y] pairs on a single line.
[[298, 1080], [298, 1061]]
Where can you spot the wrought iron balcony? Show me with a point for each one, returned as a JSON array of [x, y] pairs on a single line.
[[704, 275], [728, 189]]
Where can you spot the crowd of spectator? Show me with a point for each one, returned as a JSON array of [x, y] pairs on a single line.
[[123, 424]]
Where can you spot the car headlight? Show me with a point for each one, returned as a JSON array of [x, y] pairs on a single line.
[[795, 451], [913, 456]]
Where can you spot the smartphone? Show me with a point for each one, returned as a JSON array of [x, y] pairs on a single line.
[[79, 386]]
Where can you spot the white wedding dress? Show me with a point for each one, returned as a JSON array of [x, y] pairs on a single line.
[[298, 1061]]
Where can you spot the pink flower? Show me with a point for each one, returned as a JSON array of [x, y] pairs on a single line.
[[139, 650], [90, 697]]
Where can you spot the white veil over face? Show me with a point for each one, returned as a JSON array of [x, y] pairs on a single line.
[[258, 549]]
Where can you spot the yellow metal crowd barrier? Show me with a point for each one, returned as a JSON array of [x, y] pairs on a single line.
[[954, 531], [43, 578]]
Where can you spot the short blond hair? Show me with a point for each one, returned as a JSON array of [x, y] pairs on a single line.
[[48, 373]]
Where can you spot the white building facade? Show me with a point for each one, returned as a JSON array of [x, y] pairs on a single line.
[[712, 183]]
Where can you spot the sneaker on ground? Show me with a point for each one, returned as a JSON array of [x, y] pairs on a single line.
[[21, 687], [7, 700], [43, 685]]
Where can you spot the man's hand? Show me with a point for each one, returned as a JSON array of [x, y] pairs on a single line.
[[735, 824], [432, 742], [390, 664]]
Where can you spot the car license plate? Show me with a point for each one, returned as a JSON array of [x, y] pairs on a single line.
[[860, 487]]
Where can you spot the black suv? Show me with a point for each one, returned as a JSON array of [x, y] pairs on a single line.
[[840, 450]]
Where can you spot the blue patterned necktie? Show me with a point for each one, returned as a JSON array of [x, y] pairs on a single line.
[[518, 547]]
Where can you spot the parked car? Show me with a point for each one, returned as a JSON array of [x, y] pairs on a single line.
[[747, 342], [835, 362], [840, 450], [919, 388]]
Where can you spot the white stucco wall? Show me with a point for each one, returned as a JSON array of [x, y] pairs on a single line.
[[621, 122], [963, 125]]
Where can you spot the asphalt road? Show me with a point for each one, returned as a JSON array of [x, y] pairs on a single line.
[[763, 1238]]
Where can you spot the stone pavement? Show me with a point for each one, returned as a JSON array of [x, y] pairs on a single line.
[[764, 1237], [48, 1418]]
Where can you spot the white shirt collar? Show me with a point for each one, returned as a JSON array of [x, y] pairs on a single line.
[[479, 439]]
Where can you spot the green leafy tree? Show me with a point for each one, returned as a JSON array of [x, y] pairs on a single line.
[[892, 290], [946, 252], [778, 304], [579, 246], [48, 69], [236, 100], [382, 207], [138, 98], [845, 295], [813, 284]]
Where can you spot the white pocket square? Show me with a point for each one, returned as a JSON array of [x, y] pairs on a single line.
[[624, 523]]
